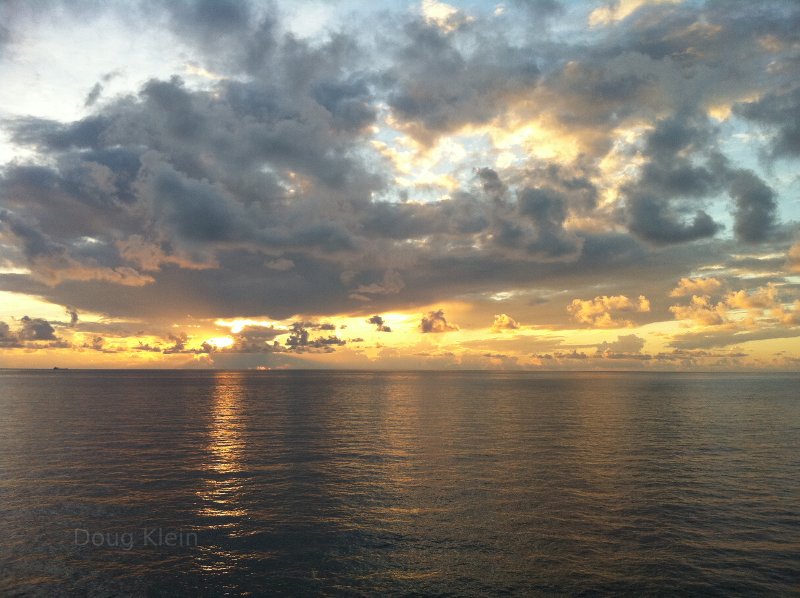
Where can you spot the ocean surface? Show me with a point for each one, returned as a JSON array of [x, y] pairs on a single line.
[[146, 483]]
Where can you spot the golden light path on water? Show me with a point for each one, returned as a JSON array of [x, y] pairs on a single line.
[[220, 497]]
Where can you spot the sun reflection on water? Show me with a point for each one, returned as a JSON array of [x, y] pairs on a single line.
[[221, 494]]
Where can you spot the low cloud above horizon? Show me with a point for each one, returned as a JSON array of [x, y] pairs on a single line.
[[512, 185]]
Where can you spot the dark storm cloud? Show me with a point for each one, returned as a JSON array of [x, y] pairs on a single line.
[[189, 204], [572, 183], [266, 180], [666, 61], [34, 242], [436, 87], [229, 33], [87, 193], [196, 210], [654, 220], [778, 110], [662, 204], [210, 21], [491, 183], [754, 218], [541, 9], [547, 211], [348, 103], [57, 136]]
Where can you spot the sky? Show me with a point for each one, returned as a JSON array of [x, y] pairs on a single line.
[[538, 185]]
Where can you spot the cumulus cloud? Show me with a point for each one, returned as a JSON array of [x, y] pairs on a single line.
[[435, 322], [36, 329], [256, 339], [7, 338], [380, 324], [702, 311], [262, 191], [740, 316], [762, 298], [300, 341], [625, 344], [442, 82], [602, 311], [504, 322], [696, 286], [444, 16]]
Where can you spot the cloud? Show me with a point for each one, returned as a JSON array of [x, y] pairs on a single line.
[[762, 298], [280, 264], [73, 316], [435, 322], [662, 203], [600, 312], [504, 322], [702, 311], [5, 38], [36, 329], [444, 16], [708, 339], [548, 239], [93, 95], [619, 10], [442, 80], [257, 339], [741, 316], [754, 218], [793, 258], [259, 192], [491, 183], [8, 339], [152, 255], [778, 109], [392, 284], [695, 286], [379, 323], [98, 344], [53, 262], [299, 341], [572, 355], [624, 345]]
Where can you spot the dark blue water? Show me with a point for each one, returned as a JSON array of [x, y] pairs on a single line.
[[361, 483]]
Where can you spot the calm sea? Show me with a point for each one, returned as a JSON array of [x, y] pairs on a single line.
[[176, 483]]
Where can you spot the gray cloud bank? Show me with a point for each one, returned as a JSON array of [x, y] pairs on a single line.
[[262, 195]]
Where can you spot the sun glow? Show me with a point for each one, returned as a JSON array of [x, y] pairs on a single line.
[[220, 342]]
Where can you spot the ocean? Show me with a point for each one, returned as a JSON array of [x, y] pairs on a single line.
[[203, 483]]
